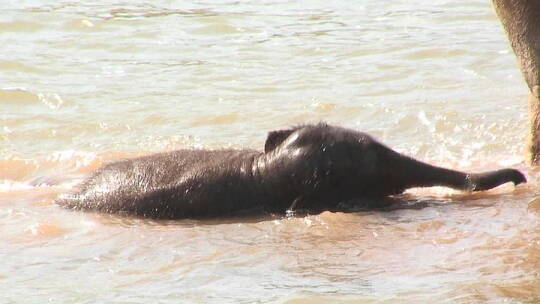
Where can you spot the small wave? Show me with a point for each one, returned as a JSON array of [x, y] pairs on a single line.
[[45, 230], [81, 25], [217, 29], [60, 168], [431, 53], [21, 96], [17, 96], [10, 185], [77, 158], [15, 66], [20, 26], [223, 119]]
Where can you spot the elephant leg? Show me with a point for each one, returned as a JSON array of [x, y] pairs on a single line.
[[533, 139], [521, 21]]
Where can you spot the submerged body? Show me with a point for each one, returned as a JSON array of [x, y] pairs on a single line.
[[314, 167]]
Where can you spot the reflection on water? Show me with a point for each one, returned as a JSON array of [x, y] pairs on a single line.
[[83, 84]]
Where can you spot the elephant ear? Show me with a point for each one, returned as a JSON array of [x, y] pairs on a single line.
[[275, 138]]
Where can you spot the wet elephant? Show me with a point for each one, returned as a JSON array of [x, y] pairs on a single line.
[[310, 167], [521, 20]]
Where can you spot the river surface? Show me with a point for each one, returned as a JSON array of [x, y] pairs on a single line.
[[83, 83]]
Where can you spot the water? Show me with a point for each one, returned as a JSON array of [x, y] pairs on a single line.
[[82, 84]]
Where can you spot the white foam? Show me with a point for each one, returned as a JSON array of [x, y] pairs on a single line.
[[81, 158], [10, 185]]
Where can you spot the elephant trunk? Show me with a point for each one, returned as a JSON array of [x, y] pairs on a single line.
[[521, 21], [492, 179], [419, 174]]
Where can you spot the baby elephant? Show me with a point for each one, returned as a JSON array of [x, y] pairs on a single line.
[[314, 167]]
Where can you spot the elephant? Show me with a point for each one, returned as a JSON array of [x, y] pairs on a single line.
[[521, 21], [307, 167]]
